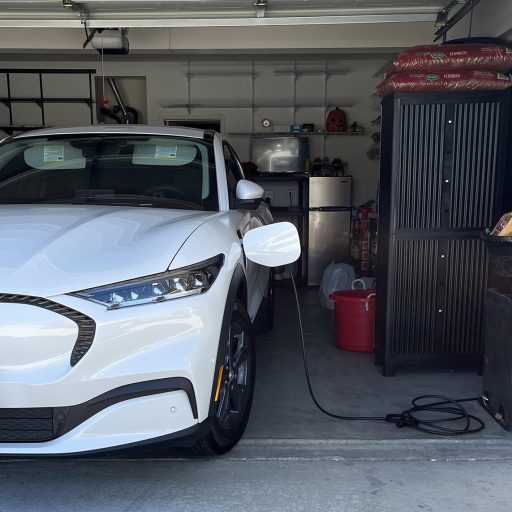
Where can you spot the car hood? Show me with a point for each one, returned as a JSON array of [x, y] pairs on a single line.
[[48, 250]]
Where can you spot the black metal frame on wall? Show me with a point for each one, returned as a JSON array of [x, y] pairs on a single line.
[[444, 178], [43, 98]]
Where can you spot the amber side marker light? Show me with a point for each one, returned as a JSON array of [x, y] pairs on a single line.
[[219, 380]]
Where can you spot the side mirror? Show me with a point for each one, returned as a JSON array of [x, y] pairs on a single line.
[[273, 245], [248, 195]]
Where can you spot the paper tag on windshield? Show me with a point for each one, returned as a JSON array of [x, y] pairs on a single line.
[[53, 154], [166, 152]]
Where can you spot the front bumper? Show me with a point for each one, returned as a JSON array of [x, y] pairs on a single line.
[[130, 422], [148, 373]]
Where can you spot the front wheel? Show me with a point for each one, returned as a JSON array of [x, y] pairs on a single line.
[[233, 388]]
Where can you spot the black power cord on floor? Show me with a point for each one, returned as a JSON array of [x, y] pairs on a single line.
[[445, 410]]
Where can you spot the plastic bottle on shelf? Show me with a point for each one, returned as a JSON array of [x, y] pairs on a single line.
[[355, 246]]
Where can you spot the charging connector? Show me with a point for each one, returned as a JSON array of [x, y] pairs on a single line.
[[445, 410]]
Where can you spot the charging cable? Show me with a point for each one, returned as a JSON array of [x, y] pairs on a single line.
[[444, 410]]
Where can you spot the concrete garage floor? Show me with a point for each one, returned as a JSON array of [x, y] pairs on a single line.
[[344, 382], [258, 485]]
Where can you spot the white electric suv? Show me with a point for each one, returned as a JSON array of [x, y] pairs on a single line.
[[133, 263]]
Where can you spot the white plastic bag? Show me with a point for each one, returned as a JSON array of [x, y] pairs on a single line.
[[336, 277]]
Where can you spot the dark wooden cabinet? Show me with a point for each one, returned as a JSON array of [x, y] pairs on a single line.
[[445, 177]]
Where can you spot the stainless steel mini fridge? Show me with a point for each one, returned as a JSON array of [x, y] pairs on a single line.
[[330, 201]]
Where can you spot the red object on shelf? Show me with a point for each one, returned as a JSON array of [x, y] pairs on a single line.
[[359, 248], [104, 102], [336, 121], [355, 320], [364, 212]]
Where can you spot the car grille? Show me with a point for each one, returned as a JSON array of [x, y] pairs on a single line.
[[26, 425], [86, 325]]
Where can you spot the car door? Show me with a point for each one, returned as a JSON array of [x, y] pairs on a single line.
[[243, 221]]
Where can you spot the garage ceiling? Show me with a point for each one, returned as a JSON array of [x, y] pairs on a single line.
[[195, 13]]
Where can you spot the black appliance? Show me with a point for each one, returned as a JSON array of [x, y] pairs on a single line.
[[280, 154], [445, 176]]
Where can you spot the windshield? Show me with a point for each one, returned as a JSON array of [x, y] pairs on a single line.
[[138, 170]]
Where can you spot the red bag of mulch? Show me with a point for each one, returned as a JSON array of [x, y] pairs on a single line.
[[442, 81], [452, 56]]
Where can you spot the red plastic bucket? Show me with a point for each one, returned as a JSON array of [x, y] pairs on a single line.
[[355, 320]]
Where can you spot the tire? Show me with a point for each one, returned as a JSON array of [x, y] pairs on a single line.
[[265, 319], [236, 362]]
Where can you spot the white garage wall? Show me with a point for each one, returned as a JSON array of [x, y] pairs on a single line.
[[167, 85]]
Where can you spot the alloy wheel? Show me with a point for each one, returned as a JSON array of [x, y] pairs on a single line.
[[234, 390]]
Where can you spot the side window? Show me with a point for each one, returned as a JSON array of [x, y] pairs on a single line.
[[234, 172]]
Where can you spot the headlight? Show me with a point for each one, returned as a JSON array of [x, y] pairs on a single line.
[[173, 284]]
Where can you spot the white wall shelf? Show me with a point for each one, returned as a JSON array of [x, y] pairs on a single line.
[[343, 103], [250, 103], [311, 72], [278, 72], [220, 74], [256, 101], [297, 134]]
